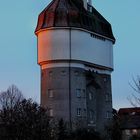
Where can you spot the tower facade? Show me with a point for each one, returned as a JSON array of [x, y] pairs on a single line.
[[75, 54]]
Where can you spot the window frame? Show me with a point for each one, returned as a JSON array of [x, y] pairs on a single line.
[[50, 93], [78, 93], [79, 112]]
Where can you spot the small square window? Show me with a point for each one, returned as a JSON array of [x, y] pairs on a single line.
[[50, 93], [127, 132], [133, 113], [134, 131], [78, 93], [63, 72], [78, 111]]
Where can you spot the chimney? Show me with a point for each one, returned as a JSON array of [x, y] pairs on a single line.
[[85, 4]]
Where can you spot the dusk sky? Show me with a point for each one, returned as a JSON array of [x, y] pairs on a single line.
[[18, 45]]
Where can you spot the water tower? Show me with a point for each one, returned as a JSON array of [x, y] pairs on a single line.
[[75, 54]]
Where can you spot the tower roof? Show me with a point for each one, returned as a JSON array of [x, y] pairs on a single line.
[[71, 13]]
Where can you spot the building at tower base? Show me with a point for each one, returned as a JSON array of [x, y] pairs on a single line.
[[75, 54]]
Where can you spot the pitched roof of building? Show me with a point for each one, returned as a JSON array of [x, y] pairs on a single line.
[[71, 13], [129, 111]]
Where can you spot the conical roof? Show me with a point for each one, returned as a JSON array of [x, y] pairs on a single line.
[[71, 13]]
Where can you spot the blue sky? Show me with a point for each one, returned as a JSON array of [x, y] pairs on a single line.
[[18, 50]]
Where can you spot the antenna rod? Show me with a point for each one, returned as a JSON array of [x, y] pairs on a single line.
[[85, 4]]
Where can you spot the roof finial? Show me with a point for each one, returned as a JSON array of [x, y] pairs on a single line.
[[90, 2]]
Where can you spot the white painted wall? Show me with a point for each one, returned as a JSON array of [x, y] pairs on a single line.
[[87, 48], [74, 65], [63, 64], [55, 44]]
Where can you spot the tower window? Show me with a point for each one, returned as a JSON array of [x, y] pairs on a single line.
[[108, 115], [90, 96], [107, 97], [51, 112], [78, 93], [76, 73], [134, 131], [50, 93], [91, 115], [85, 112], [84, 93], [105, 79], [50, 73], [63, 72], [78, 111], [42, 74], [127, 131]]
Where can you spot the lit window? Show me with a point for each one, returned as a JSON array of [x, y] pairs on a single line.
[[133, 113], [127, 132], [134, 131], [78, 111], [51, 112], [50, 93], [78, 93]]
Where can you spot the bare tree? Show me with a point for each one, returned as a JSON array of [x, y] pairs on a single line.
[[25, 121], [135, 98], [10, 97]]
